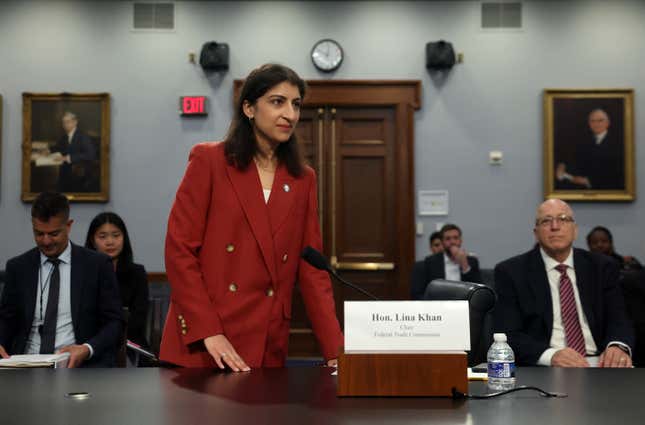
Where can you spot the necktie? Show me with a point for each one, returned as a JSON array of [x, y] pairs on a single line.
[[48, 334], [572, 329]]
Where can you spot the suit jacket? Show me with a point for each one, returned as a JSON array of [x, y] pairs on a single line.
[[80, 149], [524, 309], [603, 164], [232, 262], [133, 286], [96, 305], [433, 267], [77, 176]]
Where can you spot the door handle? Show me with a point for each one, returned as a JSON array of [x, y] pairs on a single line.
[[361, 266]]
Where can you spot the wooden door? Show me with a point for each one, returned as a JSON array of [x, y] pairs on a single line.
[[362, 156]]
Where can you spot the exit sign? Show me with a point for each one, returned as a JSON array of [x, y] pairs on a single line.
[[192, 105]]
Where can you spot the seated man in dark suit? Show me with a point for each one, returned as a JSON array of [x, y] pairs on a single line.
[[451, 264], [60, 297], [558, 304]]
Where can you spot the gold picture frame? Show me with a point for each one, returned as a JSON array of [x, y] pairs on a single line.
[[1, 114], [66, 145], [589, 144]]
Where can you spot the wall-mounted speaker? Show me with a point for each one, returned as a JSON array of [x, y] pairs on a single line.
[[440, 55], [214, 56]]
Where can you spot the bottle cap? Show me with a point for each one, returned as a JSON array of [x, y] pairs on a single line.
[[499, 337]]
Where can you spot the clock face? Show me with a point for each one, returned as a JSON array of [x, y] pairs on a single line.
[[327, 55]]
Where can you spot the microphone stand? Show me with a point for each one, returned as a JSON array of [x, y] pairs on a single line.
[[351, 285]]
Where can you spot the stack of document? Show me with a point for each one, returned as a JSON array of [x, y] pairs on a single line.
[[35, 360]]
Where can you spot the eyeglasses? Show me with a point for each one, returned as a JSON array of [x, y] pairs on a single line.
[[560, 219]]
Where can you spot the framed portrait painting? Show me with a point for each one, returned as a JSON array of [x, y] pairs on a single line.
[[0, 135], [589, 144], [66, 145]]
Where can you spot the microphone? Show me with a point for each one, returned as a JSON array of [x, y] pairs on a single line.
[[317, 260]]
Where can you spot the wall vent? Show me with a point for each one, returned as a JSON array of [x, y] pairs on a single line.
[[154, 16], [501, 15]]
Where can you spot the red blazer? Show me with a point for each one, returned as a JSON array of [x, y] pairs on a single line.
[[232, 262]]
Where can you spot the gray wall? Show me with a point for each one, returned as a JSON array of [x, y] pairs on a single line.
[[491, 102]]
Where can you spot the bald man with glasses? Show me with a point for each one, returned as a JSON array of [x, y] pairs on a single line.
[[559, 305]]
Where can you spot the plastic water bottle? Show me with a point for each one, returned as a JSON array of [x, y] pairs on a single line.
[[501, 364]]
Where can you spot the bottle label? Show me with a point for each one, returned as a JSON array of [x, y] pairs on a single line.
[[501, 370]]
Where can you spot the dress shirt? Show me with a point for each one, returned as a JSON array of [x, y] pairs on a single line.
[[558, 341], [452, 270], [600, 137], [64, 327], [70, 136]]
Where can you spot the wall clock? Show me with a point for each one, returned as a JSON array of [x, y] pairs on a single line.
[[327, 55]]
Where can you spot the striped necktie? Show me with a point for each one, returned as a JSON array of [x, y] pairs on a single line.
[[572, 330]]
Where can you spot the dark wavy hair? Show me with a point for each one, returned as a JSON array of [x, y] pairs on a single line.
[[447, 227], [433, 236], [48, 205], [240, 145], [125, 257]]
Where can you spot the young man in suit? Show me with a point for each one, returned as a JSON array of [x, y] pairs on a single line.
[[60, 297], [451, 264], [559, 305]]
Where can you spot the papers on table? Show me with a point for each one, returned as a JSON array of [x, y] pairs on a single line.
[[35, 360], [46, 160]]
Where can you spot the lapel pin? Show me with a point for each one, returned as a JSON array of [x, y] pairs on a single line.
[[286, 187]]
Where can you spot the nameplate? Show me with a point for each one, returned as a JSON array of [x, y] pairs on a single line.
[[406, 326]]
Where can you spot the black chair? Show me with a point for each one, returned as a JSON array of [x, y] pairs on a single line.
[[633, 286], [2, 279], [121, 351], [481, 300], [159, 302]]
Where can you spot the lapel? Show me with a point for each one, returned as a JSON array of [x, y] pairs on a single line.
[[76, 282], [539, 284], [439, 267], [33, 269], [283, 194], [247, 187], [584, 282]]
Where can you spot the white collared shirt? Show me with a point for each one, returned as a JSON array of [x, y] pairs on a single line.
[[558, 341], [452, 271], [70, 136], [600, 137], [64, 328]]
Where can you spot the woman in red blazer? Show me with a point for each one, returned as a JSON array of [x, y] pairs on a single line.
[[243, 212]]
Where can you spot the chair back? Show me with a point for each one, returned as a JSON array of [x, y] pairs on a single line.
[[481, 300], [121, 356], [632, 284], [2, 278]]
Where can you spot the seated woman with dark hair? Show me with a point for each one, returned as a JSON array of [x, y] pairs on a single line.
[[601, 241], [107, 234]]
